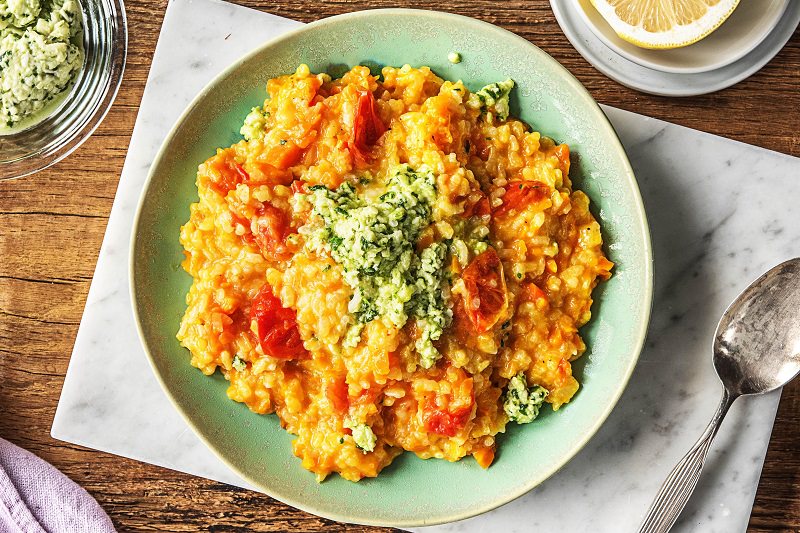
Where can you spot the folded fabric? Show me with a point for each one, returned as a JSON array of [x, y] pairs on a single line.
[[37, 498]]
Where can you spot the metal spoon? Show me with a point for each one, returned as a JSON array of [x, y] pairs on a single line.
[[756, 350]]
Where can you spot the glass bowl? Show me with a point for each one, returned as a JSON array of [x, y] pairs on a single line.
[[105, 43]]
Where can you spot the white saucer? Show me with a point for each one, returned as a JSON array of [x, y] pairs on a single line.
[[571, 19], [750, 23]]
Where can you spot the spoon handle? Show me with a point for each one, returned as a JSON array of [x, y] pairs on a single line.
[[679, 485]]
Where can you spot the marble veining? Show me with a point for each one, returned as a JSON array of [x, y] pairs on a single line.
[[720, 213]]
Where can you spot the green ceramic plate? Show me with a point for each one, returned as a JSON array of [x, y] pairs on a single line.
[[411, 491]]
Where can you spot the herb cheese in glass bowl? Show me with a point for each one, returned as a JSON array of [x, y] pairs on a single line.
[[61, 62]]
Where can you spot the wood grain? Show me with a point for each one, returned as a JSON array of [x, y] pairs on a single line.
[[52, 225]]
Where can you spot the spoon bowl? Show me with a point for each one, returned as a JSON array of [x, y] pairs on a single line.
[[757, 344], [756, 350]]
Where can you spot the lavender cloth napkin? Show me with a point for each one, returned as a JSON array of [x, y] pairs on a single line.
[[37, 498]]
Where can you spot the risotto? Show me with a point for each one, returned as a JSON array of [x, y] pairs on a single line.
[[390, 263]]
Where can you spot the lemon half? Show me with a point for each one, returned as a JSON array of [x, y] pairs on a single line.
[[664, 23]]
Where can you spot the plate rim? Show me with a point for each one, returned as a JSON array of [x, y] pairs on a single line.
[[640, 333]]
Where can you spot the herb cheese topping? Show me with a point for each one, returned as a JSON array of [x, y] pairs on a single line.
[[254, 124], [363, 436], [239, 364], [521, 403], [19, 13], [39, 55], [493, 97], [375, 242]]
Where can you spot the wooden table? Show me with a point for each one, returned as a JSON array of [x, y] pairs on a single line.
[[52, 224]]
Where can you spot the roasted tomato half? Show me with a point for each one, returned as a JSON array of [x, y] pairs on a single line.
[[486, 298], [271, 230], [520, 194], [447, 414], [445, 422], [223, 172], [477, 204], [276, 326], [367, 127]]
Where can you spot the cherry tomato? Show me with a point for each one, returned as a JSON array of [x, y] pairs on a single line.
[[531, 292], [445, 422], [486, 299], [562, 153], [447, 413], [224, 172], [299, 186], [240, 172], [563, 373], [272, 228], [520, 194], [337, 392], [367, 127], [477, 207], [276, 327]]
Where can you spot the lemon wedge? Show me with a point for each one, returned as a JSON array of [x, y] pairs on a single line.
[[664, 23]]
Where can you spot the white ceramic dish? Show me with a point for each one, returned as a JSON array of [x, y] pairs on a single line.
[[747, 27], [569, 17]]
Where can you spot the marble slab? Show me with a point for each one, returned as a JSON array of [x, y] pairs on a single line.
[[721, 212]]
